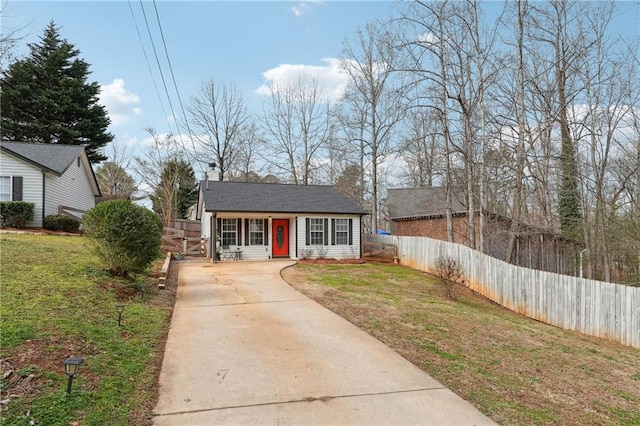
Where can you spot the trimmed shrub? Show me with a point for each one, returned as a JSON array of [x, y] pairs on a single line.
[[16, 214], [59, 222], [126, 236]]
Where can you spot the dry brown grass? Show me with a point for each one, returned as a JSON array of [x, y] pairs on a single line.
[[514, 369]]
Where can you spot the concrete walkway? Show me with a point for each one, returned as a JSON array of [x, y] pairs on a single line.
[[245, 348]]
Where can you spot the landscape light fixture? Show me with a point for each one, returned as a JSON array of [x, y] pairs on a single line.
[[71, 367], [143, 288], [120, 308]]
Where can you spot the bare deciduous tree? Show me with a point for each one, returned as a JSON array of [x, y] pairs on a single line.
[[373, 102], [296, 122], [220, 124]]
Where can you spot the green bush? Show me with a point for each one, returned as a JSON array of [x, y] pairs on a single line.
[[16, 214], [59, 222], [126, 236]]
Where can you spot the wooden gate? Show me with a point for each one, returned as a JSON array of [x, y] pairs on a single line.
[[183, 236]]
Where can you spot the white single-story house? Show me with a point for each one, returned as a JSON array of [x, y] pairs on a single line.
[[252, 221], [56, 178]]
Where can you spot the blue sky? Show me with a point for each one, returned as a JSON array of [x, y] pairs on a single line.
[[250, 44], [235, 42]]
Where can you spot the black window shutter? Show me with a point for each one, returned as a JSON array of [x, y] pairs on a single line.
[[219, 228], [265, 231], [333, 232], [238, 233], [350, 232], [326, 232], [16, 191], [308, 231], [246, 232]]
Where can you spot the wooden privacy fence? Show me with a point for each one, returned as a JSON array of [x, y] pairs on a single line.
[[183, 236], [596, 308]]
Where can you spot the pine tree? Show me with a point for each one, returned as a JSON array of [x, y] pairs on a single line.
[[46, 98], [176, 191]]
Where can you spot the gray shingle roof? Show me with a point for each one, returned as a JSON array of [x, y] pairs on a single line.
[[275, 198], [52, 157], [421, 202]]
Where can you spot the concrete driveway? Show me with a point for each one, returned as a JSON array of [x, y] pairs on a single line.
[[246, 348]]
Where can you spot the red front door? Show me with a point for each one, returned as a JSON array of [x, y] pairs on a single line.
[[280, 237]]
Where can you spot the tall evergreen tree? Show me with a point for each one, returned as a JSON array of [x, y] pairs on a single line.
[[46, 98], [176, 191]]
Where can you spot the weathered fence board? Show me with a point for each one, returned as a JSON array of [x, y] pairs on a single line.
[[183, 236], [596, 308]]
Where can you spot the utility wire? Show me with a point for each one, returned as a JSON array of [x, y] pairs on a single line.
[[155, 53], [146, 58], [173, 77]]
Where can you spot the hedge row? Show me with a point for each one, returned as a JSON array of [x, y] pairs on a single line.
[[16, 214], [62, 223]]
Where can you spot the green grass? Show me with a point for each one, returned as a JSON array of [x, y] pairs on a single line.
[[514, 369], [57, 302]]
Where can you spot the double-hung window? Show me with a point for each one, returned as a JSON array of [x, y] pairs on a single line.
[[256, 232], [316, 232], [229, 231], [5, 188], [10, 188], [341, 231]]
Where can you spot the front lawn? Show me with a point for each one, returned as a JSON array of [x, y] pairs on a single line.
[[56, 302], [514, 369]]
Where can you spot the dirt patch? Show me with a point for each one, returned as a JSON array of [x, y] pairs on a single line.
[[23, 369], [40, 231], [346, 261]]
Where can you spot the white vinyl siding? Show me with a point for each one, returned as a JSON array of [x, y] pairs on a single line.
[[72, 189], [31, 183], [297, 230], [331, 248], [205, 230]]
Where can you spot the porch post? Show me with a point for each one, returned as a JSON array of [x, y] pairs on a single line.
[[212, 240]]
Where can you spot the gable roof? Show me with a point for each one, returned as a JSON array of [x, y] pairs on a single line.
[[422, 202], [53, 158], [275, 198]]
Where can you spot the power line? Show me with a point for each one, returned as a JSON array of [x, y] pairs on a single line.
[[146, 58], [155, 53], [173, 77]]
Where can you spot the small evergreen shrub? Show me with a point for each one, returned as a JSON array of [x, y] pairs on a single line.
[[59, 222], [126, 236], [16, 214]]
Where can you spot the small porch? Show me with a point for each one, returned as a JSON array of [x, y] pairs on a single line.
[[241, 237]]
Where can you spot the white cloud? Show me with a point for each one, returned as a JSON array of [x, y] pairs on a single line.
[[330, 77], [427, 39], [120, 103], [304, 7], [300, 9]]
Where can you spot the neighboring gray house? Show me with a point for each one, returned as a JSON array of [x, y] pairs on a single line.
[[56, 178], [265, 221]]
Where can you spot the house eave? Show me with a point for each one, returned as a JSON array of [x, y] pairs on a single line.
[[290, 212], [42, 168]]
